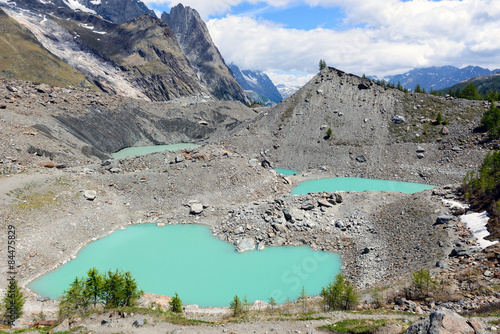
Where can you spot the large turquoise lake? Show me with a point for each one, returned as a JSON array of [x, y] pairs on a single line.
[[204, 270], [140, 150], [357, 184]]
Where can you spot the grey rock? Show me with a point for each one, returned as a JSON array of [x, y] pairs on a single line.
[[239, 230], [261, 246], [420, 149], [287, 215], [337, 196], [443, 219], [139, 322], [62, 327], [244, 244], [339, 224], [442, 321], [420, 155], [195, 208], [441, 264], [279, 227], [90, 194], [179, 158], [307, 205], [398, 119], [456, 149], [360, 158], [322, 202]]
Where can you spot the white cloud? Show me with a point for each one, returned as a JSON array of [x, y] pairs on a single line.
[[386, 37]]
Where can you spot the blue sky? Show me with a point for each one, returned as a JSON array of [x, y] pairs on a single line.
[[287, 38]]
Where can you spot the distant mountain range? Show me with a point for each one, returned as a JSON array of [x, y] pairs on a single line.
[[287, 91], [483, 83], [257, 85], [437, 78]]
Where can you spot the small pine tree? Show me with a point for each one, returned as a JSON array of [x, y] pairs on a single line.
[[176, 304], [418, 89], [130, 292], [329, 133], [422, 283], [246, 303], [73, 300], [322, 64], [113, 293], [236, 306], [12, 303], [399, 86], [303, 298], [272, 304], [341, 295], [439, 118]]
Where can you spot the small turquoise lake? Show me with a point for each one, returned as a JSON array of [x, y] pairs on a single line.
[[204, 270], [140, 150], [286, 171], [357, 184]]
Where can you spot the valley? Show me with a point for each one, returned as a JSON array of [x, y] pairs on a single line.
[[105, 77]]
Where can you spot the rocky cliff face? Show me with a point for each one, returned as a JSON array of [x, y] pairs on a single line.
[[144, 49], [194, 39]]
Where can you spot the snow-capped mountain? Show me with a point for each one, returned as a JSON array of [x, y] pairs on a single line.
[[257, 82], [287, 91]]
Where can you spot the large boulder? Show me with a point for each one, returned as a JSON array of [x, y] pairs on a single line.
[[244, 244], [444, 321]]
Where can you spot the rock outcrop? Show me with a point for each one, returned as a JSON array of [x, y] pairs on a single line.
[[444, 321], [194, 39]]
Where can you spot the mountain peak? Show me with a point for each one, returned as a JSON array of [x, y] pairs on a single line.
[[194, 39]]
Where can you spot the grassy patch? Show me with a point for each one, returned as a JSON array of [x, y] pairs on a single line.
[[361, 325]]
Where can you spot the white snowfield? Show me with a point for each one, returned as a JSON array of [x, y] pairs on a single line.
[[476, 222]]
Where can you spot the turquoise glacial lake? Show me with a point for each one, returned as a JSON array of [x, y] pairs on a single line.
[[286, 171], [204, 270], [357, 184], [140, 150]]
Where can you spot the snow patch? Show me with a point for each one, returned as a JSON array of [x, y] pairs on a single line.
[[476, 223], [454, 204], [75, 5], [95, 2], [250, 79]]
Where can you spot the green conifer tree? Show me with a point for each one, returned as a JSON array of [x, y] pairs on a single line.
[[176, 304], [13, 302], [94, 286]]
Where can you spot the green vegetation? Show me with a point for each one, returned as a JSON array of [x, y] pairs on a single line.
[[361, 325], [322, 64], [329, 133], [12, 303], [483, 190], [418, 89], [272, 304], [303, 299], [340, 295], [176, 304], [113, 290], [236, 306], [491, 121], [422, 284]]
